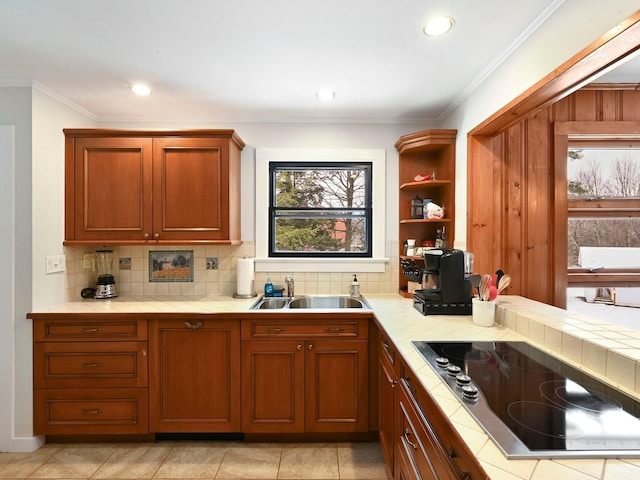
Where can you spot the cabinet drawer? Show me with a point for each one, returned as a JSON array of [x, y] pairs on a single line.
[[89, 411], [90, 364], [444, 442], [252, 329], [87, 331]]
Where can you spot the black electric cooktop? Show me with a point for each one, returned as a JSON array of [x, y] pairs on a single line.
[[532, 404]]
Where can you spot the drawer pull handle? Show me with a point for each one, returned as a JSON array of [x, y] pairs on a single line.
[[96, 411], [386, 345], [92, 365], [193, 326], [409, 386], [334, 329], [274, 330], [452, 456], [407, 432], [91, 330]]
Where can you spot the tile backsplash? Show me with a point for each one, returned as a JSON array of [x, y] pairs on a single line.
[[214, 273]]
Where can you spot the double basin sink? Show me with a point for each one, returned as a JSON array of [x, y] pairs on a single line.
[[310, 302]]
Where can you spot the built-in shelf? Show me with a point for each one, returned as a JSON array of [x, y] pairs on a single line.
[[420, 153]]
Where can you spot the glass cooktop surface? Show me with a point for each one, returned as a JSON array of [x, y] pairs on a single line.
[[534, 405]]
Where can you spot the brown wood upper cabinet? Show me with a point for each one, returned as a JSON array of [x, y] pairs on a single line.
[[136, 187]]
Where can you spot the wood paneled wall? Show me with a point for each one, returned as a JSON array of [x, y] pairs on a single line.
[[515, 190]]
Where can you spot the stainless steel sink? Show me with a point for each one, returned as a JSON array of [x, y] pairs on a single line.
[[326, 302], [272, 303], [311, 302]]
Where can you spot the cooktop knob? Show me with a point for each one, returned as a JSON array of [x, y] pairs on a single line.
[[470, 392], [453, 370], [463, 379], [442, 362]]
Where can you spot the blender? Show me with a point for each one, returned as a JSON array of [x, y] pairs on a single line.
[[106, 284]]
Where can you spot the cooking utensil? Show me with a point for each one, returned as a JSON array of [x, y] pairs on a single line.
[[493, 292], [485, 283], [475, 281], [504, 282]]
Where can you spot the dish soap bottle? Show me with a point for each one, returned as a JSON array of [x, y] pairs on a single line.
[[268, 288], [355, 287]]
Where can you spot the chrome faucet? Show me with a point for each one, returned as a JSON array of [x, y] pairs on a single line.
[[289, 282]]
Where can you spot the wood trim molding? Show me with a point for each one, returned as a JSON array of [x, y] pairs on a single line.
[[602, 55]]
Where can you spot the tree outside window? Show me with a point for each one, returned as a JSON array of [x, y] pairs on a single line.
[[604, 199], [320, 209]]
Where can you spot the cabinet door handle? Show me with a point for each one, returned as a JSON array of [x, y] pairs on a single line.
[[97, 411], [146, 236], [91, 330], [274, 330], [386, 345], [334, 329], [310, 346], [156, 236], [193, 326], [407, 432], [299, 347], [91, 365], [409, 386], [461, 474]]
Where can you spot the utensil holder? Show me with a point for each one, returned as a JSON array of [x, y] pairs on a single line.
[[483, 313]]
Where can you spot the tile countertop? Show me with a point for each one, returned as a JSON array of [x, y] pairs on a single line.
[[606, 351]]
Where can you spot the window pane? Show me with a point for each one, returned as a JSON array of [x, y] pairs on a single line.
[[320, 234], [601, 232], [603, 173], [320, 187]]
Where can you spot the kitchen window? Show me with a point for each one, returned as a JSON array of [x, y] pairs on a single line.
[[320, 210], [603, 189]]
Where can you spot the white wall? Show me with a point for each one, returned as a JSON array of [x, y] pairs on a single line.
[[49, 118], [15, 109], [572, 27]]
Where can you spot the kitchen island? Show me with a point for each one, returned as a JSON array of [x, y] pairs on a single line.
[[604, 350]]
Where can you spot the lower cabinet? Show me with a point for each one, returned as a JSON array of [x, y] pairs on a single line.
[[305, 376], [427, 446], [388, 385], [194, 385], [90, 375]]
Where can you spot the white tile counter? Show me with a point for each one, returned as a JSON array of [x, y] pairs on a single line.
[[609, 352]]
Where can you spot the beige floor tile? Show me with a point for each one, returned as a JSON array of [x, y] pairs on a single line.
[[361, 461], [141, 461], [192, 461], [21, 465], [250, 463], [74, 462], [309, 463]]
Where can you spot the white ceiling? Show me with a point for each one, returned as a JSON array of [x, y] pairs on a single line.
[[260, 60]]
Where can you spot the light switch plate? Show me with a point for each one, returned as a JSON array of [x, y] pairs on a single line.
[[54, 263]]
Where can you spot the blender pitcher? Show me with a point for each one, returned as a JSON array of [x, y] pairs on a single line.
[[106, 283]]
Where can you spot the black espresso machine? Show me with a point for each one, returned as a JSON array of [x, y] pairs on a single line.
[[446, 289]]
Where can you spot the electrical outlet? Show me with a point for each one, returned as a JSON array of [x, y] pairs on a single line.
[[54, 263], [88, 261]]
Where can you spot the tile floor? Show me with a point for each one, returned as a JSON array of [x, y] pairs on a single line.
[[198, 460]]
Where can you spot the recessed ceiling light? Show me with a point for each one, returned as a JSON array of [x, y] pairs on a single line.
[[140, 89], [325, 94], [438, 26]]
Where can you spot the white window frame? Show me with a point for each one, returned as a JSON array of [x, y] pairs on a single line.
[[263, 263]]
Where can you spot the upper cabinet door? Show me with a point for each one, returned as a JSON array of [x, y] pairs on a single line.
[[141, 187], [112, 189], [191, 188]]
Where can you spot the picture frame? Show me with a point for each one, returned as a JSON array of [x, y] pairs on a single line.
[[171, 266]]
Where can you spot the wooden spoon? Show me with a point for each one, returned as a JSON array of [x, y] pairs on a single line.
[[504, 282]]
